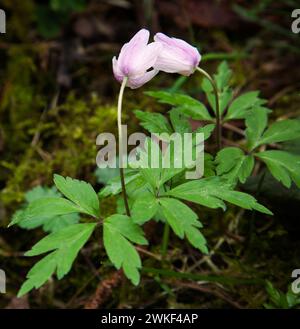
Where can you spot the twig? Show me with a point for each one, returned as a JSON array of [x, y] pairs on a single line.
[[214, 292]]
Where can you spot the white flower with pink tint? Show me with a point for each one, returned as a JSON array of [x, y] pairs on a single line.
[[176, 56], [135, 59]]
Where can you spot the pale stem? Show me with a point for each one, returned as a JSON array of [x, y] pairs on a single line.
[[218, 116], [120, 132]]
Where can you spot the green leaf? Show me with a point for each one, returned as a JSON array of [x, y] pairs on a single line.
[[57, 223], [222, 78], [49, 223], [80, 192], [239, 108], [209, 165], [196, 112], [234, 165], [225, 97], [156, 176], [65, 245], [39, 192], [284, 166], [153, 122], [179, 121], [144, 208], [117, 230], [51, 206], [206, 130], [211, 192], [256, 123], [224, 92], [184, 222], [114, 186], [281, 131], [104, 175], [187, 105]]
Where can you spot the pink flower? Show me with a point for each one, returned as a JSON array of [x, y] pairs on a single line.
[[135, 59], [177, 56]]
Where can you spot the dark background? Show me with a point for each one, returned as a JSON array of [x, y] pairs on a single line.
[[57, 92]]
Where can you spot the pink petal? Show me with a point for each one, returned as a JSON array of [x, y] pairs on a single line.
[[146, 58], [117, 72], [138, 81], [173, 60], [130, 51], [176, 51]]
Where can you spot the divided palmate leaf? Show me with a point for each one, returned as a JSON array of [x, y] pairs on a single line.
[[153, 122], [239, 108], [256, 123], [49, 223], [64, 246], [49, 206], [118, 231], [284, 166], [144, 208], [185, 104], [234, 165], [184, 222], [212, 191], [225, 93], [281, 131], [80, 192]]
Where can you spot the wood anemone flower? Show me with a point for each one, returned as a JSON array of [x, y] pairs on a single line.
[[136, 59]]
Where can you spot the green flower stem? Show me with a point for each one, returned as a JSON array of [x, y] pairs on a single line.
[[165, 241], [218, 116], [120, 100]]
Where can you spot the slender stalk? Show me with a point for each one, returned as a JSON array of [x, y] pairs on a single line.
[[165, 241], [120, 100], [218, 116]]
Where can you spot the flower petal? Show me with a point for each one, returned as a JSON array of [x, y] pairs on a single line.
[[146, 58], [117, 72], [131, 50], [140, 80], [173, 60], [177, 55]]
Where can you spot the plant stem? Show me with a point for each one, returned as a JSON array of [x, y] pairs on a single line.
[[165, 241], [218, 116], [120, 100]]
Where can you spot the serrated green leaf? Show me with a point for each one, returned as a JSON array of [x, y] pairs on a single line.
[[48, 222], [256, 123], [281, 131], [39, 192], [114, 186], [206, 130], [65, 245], [185, 104], [284, 166], [224, 92], [144, 208], [238, 109], [211, 192], [80, 192], [39, 274], [51, 206], [180, 122], [184, 222], [222, 78], [209, 165], [225, 97], [234, 165], [153, 173], [153, 122], [117, 230]]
